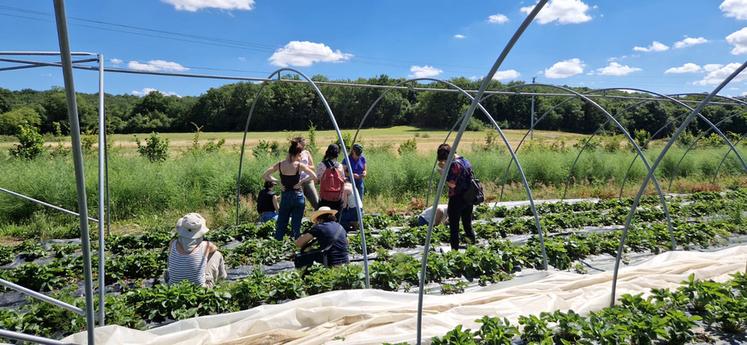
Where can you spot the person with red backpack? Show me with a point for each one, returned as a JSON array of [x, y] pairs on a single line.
[[459, 178], [331, 178]]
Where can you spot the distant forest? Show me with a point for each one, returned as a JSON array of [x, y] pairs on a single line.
[[294, 106]]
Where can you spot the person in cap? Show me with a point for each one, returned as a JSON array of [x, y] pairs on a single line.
[[268, 203], [191, 258], [330, 235], [358, 164]]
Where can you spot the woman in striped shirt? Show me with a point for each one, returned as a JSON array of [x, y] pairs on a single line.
[[191, 258]]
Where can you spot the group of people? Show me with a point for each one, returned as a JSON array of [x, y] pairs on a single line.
[[198, 261], [298, 182]]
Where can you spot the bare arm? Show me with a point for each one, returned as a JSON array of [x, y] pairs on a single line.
[[303, 239], [267, 176], [276, 202], [311, 158], [311, 173]]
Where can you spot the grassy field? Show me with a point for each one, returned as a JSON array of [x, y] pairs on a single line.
[[427, 140]]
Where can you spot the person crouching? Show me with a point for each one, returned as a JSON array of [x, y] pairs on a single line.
[[191, 258], [331, 236]]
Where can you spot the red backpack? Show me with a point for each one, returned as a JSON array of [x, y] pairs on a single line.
[[331, 184]]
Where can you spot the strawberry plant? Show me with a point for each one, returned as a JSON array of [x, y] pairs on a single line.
[[496, 331], [456, 336]]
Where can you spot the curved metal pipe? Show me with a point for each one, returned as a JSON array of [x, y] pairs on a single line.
[[319, 94], [651, 171], [723, 159], [467, 115]]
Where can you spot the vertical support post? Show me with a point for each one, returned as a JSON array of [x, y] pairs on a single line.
[[531, 128], [102, 189], [72, 112]]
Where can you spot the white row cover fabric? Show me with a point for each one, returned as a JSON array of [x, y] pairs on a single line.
[[374, 316]]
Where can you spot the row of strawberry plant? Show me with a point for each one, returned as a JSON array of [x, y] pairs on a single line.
[[665, 317]]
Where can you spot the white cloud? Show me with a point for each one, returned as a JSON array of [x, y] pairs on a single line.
[[498, 19], [147, 90], [508, 74], [424, 71], [689, 41], [460, 36], [734, 8], [716, 75], [565, 69], [196, 5], [116, 61], [156, 66], [617, 70], [562, 11], [712, 67], [739, 41], [305, 53], [241, 58], [686, 68], [655, 46], [744, 93]]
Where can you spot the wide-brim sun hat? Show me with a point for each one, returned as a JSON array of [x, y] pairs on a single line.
[[322, 210], [192, 225]]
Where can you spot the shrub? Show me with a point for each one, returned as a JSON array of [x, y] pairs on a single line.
[[408, 147], [266, 148], [31, 143], [11, 121], [642, 137], [156, 149]]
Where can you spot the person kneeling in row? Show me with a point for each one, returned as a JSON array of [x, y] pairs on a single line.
[[332, 239], [191, 258], [442, 215]]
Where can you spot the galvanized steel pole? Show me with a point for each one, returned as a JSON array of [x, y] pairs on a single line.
[[102, 190], [72, 112]]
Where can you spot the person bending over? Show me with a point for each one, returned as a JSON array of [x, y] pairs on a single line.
[[442, 215], [458, 178], [292, 201], [331, 236], [191, 258]]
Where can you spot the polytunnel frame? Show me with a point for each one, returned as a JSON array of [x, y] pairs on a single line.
[[713, 127], [658, 160], [514, 158], [450, 159], [103, 196], [359, 208]]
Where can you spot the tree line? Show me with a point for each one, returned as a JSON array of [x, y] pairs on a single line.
[[295, 106]]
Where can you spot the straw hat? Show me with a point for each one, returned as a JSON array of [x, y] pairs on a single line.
[[322, 210], [192, 225]]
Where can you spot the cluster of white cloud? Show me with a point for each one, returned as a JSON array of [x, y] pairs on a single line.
[[147, 90], [196, 5], [565, 69], [498, 19], [305, 53], [716, 73], [459, 36], [686, 68], [561, 11], [424, 71], [116, 61], [734, 8], [615, 69], [156, 66], [689, 42], [739, 40], [655, 46], [509, 74]]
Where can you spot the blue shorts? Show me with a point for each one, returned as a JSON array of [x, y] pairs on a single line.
[[422, 221]]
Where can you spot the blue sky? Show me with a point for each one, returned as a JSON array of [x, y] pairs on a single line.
[[573, 42]]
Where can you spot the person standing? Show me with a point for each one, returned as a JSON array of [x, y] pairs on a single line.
[[268, 203], [350, 206], [309, 188], [330, 175], [292, 201], [358, 164], [459, 209]]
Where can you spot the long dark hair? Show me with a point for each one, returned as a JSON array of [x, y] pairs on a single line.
[[333, 151]]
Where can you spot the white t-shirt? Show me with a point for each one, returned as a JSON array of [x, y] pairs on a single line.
[[428, 213], [305, 159]]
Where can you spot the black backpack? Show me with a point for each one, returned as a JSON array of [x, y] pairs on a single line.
[[473, 193]]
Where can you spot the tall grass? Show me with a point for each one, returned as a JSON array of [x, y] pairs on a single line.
[[191, 181]]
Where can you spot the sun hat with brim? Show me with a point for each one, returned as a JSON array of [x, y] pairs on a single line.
[[322, 210], [192, 225]]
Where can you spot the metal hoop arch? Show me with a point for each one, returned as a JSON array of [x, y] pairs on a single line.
[[500, 132], [339, 137], [658, 160]]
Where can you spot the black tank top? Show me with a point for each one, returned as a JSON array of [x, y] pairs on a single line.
[[289, 181]]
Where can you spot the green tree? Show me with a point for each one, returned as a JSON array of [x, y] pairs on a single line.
[[11, 121]]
